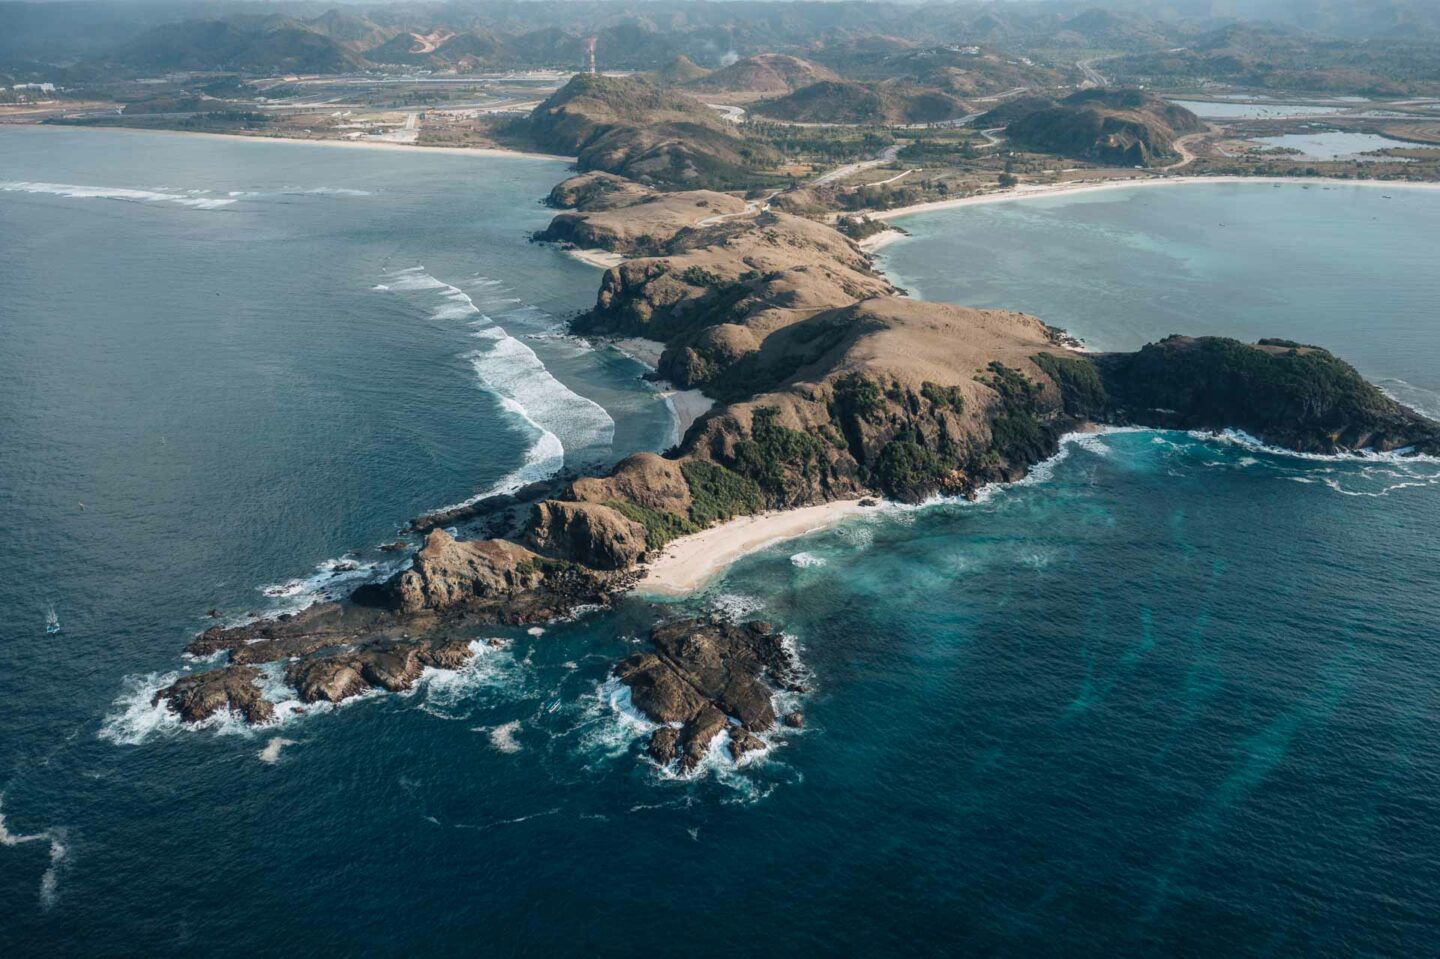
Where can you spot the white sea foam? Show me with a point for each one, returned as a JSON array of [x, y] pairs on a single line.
[[271, 752], [136, 716], [198, 199], [807, 560], [502, 737], [332, 580], [735, 606], [559, 419], [55, 835], [1243, 439], [610, 721], [450, 693]]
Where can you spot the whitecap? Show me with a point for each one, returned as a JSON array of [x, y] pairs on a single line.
[[271, 752], [194, 199], [735, 606], [807, 560], [332, 579], [610, 721], [502, 737], [558, 419]]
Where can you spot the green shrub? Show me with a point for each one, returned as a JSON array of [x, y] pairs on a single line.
[[660, 527], [1080, 388], [773, 450], [944, 396], [717, 493]]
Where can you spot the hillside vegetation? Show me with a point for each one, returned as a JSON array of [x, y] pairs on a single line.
[[645, 132], [1129, 127]]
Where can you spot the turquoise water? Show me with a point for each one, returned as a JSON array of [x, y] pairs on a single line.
[[1350, 268], [1169, 697]]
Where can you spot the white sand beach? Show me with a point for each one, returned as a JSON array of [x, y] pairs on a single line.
[[686, 406], [1032, 191], [688, 562], [603, 259], [879, 241]]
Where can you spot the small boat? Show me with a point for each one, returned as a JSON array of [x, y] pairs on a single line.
[[52, 622]]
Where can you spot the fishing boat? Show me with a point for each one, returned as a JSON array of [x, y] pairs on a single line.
[[52, 622]]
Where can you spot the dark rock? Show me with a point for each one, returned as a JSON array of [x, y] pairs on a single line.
[[743, 741], [399, 546], [795, 720], [665, 745], [198, 697], [702, 672]]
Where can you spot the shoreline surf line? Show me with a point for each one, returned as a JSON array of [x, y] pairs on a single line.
[[350, 144]]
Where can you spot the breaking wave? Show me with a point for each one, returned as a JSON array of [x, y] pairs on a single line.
[[199, 199], [559, 420]]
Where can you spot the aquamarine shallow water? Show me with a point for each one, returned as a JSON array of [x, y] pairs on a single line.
[[1170, 697]]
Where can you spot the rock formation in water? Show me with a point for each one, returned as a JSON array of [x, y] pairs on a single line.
[[705, 678]]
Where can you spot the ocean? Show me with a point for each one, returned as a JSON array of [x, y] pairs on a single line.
[[1171, 695]]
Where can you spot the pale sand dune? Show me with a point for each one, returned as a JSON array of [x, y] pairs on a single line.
[[688, 562]]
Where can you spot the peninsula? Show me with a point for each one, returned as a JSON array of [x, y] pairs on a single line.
[[831, 387]]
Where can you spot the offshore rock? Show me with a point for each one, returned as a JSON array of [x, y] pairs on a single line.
[[196, 698], [700, 675]]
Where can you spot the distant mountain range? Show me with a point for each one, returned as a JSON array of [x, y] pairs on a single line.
[[145, 37]]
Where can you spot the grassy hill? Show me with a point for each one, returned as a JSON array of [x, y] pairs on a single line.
[[645, 132], [260, 45], [1128, 127], [839, 101], [769, 73]]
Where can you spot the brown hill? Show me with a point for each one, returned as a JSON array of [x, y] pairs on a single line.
[[769, 73], [646, 132], [1129, 127], [839, 101]]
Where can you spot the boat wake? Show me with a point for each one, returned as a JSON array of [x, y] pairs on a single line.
[[55, 835]]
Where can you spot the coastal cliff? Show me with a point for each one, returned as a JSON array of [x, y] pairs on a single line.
[[832, 386]]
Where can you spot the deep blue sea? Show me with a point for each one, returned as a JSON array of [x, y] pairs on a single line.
[[1171, 696]]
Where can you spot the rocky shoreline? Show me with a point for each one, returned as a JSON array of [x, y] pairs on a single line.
[[830, 386]]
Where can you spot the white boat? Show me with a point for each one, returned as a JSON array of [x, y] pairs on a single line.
[[52, 622]]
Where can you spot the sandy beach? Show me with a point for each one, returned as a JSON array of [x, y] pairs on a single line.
[[686, 406], [688, 562], [1032, 191], [603, 259], [879, 241]]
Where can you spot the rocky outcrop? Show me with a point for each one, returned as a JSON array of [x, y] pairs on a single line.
[[592, 534], [645, 479], [642, 227], [448, 572], [1285, 393], [704, 675], [392, 666], [197, 698]]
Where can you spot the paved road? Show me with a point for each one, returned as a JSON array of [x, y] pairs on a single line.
[[887, 155]]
